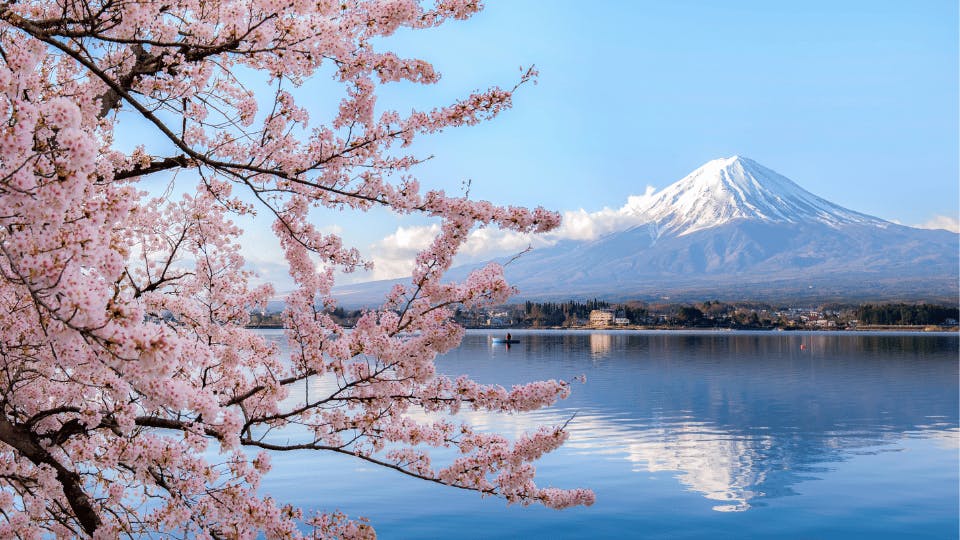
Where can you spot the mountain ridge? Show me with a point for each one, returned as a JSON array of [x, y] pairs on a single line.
[[726, 189], [735, 229]]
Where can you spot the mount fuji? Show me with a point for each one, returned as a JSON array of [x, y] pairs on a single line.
[[727, 190], [736, 230]]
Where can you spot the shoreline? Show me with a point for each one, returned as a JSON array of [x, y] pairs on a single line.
[[906, 329], [641, 328]]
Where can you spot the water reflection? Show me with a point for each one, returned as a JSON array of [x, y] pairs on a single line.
[[741, 418], [717, 465], [600, 344]]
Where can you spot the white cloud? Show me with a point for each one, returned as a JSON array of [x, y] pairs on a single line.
[[949, 223], [393, 256], [583, 225], [483, 242], [576, 225]]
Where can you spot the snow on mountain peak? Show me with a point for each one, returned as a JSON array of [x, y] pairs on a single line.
[[735, 188]]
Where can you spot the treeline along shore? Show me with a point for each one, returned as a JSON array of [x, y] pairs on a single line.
[[707, 314]]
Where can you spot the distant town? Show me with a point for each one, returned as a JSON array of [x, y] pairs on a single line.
[[708, 314]]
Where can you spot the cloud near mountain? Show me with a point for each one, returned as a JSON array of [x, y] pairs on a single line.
[[393, 256], [731, 228], [946, 223]]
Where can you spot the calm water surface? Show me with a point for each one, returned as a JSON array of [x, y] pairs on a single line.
[[694, 435]]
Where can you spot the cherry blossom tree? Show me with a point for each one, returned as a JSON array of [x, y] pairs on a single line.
[[134, 401]]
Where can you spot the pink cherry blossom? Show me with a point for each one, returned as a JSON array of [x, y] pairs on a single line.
[[134, 397]]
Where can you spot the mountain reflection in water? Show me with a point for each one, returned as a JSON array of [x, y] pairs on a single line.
[[852, 435], [741, 417]]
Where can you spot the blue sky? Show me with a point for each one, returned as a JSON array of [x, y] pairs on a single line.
[[856, 101]]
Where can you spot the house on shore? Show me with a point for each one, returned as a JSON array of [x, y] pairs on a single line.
[[601, 317]]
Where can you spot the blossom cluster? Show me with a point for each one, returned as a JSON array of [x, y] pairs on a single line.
[[134, 399]]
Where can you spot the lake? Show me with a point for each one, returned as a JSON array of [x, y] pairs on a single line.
[[693, 435]]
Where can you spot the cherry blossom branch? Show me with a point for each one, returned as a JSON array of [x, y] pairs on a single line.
[[79, 501]]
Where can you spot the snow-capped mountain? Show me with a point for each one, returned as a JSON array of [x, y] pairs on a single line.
[[737, 188], [734, 229]]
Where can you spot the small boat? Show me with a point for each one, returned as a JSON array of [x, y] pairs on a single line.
[[505, 340]]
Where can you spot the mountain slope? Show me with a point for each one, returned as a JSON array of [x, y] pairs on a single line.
[[735, 229], [744, 260], [725, 190]]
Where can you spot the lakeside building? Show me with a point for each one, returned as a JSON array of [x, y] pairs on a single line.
[[711, 314], [601, 317]]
